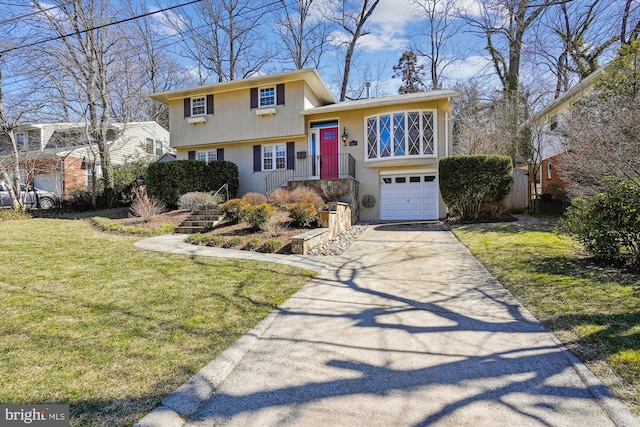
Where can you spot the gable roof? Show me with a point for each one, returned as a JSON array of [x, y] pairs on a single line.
[[310, 76], [383, 101], [580, 90]]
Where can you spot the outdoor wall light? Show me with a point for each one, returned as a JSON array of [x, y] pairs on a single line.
[[344, 136]]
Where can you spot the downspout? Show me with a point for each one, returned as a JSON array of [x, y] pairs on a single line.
[[446, 132]]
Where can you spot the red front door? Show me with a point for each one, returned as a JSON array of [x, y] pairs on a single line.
[[329, 153]]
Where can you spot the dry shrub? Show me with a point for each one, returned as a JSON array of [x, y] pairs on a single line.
[[194, 200], [306, 194], [279, 197], [146, 207], [255, 198]]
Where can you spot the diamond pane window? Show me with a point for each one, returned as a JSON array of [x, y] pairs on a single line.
[[372, 138], [413, 133], [398, 135], [427, 133], [385, 136]]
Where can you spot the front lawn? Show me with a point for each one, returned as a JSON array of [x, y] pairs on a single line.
[[593, 309], [92, 321]]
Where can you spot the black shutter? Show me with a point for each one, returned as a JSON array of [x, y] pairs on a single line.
[[187, 107], [220, 154], [254, 97], [209, 104], [291, 148], [257, 158], [192, 155], [280, 94]]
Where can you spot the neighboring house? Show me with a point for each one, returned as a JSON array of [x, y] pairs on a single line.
[[380, 154], [549, 121], [58, 157]]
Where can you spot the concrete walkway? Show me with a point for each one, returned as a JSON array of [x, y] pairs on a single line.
[[405, 328]]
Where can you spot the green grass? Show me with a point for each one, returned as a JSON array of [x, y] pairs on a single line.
[[593, 309], [92, 321]]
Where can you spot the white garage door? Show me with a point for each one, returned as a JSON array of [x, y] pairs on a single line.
[[409, 197]]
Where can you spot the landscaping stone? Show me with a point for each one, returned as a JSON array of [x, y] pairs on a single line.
[[341, 243]]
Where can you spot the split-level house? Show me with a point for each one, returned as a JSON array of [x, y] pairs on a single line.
[[549, 122], [379, 154], [59, 157]]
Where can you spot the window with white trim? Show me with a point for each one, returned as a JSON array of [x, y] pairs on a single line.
[[274, 157], [207, 156], [198, 106], [22, 140], [148, 146], [549, 171], [159, 149], [401, 134], [266, 96]]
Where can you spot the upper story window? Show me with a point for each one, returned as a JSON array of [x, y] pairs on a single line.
[[274, 157], [159, 149], [148, 145], [198, 106], [402, 134], [553, 122], [22, 140], [267, 96]]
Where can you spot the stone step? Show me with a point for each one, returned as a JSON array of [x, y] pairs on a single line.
[[216, 217], [195, 223]]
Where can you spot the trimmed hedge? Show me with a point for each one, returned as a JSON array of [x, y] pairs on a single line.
[[168, 181], [475, 186]]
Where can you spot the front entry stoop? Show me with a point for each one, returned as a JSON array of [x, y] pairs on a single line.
[[199, 220]]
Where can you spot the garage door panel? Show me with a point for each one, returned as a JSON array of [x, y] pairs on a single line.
[[409, 197]]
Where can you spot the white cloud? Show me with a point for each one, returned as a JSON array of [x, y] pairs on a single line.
[[472, 66], [170, 23]]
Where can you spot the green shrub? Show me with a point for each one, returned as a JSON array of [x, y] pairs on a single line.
[[608, 224], [302, 214], [259, 217], [306, 194], [233, 242], [475, 186], [271, 245], [233, 210], [168, 181], [253, 244], [216, 240], [255, 198]]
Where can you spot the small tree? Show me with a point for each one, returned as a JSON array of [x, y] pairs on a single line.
[[410, 72]]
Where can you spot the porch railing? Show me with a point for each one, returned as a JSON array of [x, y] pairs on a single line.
[[326, 166]]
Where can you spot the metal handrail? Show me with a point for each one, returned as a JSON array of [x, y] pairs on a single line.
[[225, 186], [310, 168]]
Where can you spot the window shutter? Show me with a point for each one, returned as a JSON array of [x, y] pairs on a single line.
[[187, 107], [280, 94], [220, 154], [257, 158], [254, 97], [192, 155], [291, 148], [209, 104]]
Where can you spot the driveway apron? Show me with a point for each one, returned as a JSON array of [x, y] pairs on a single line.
[[405, 328]]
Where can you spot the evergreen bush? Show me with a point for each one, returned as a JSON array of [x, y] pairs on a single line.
[[475, 186]]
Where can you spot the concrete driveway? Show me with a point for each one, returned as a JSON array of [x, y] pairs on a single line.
[[406, 328]]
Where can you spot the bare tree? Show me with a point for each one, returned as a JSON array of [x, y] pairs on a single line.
[[303, 36], [86, 51], [439, 27], [351, 16], [630, 22], [223, 37]]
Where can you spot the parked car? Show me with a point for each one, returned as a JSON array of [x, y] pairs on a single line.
[[34, 197]]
